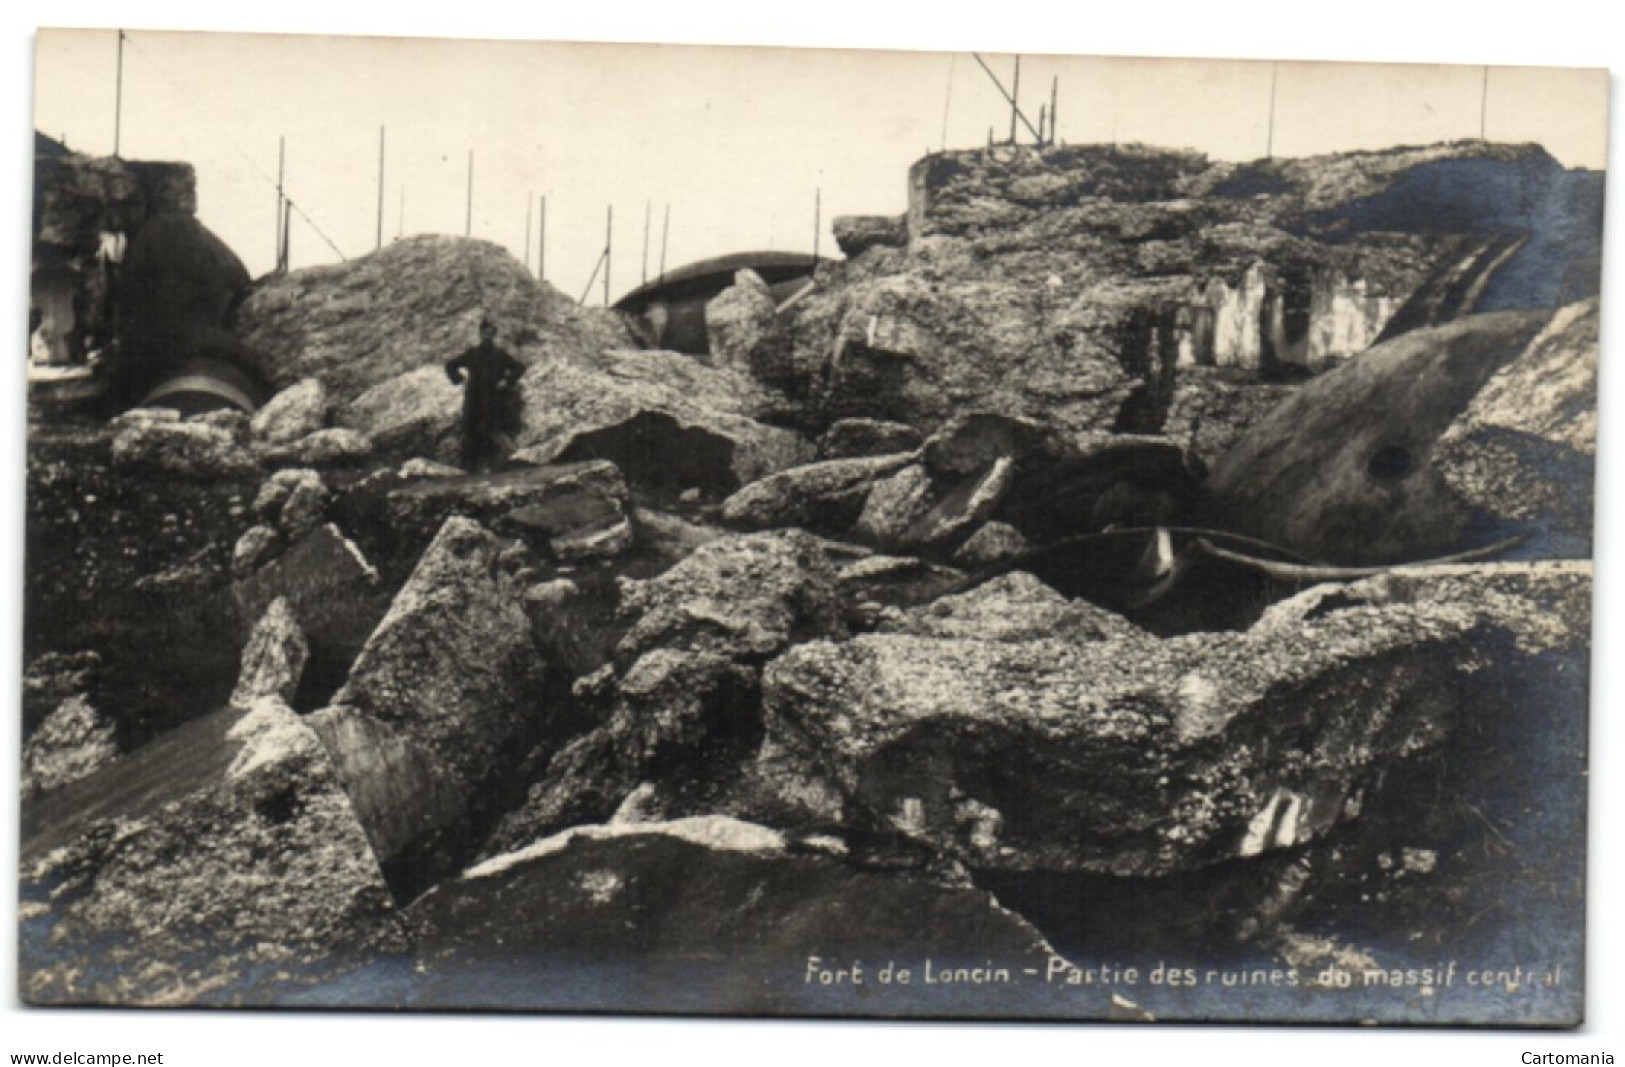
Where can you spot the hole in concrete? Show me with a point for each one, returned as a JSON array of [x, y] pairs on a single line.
[[1390, 462]]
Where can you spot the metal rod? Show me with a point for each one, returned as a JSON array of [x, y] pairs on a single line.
[[287, 236], [1054, 104], [281, 163], [380, 242], [593, 276], [609, 243], [1043, 119], [468, 219], [665, 232], [1269, 143], [1011, 100], [647, 207], [1015, 95], [818, 221], [118, 97]]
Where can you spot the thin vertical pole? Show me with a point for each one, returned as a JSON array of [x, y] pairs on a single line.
[[665, 232], [1269, 142], [1015, 97], [1484, 105], [647, 207], [541, 245], [380, 243], [818, 221], [118, 97], [530, 201], [1054, 104], [281, 164], [1043, 121], [287, 237], [468, 219], [947, 98], [609, 243]]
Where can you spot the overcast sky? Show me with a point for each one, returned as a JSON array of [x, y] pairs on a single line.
[[742, 143]]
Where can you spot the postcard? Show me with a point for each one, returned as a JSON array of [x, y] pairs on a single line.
[[807, 533]]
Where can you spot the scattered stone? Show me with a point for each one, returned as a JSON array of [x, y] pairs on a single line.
[[573, 510], [828, 495], [452, 666], [295, 412], [273, 658], [294, 500], [1013, 607], [418, 467], [994, 543], [257, 547], [746, 899], [1130, 756], [747, 597], [740, 321], [970, 443], [856, 234], [964, 507], [855, 438], [75, 740], [332, 589], [895, 581], [1524, 450], [335, 447], [188, 448], [895, 506], [220, 864]]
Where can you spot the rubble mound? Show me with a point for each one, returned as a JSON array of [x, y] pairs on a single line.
[[417, 301]]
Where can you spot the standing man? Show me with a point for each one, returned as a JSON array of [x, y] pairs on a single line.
[[490, 400]]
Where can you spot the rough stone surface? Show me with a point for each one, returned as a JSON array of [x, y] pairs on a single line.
[[273, 658], [689, 718], [1013, 607], [970, 442], [415, 303], [452, 664], [257, 547], [856, 234], [663, 418], [746, 597], [828, 495], [73, 741], [894, 506], [699, 910], [334, 447], [992, 544], [427, 468], [740, 321], [894, 581], [1524, 449], [220, 864], [294, 500], [562, 507], [852, 438], [188, 448], [332, 589], [964, 507], [296, 411], [1135, 757]]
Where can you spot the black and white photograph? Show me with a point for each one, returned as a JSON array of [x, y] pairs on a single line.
[[547, 527]]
